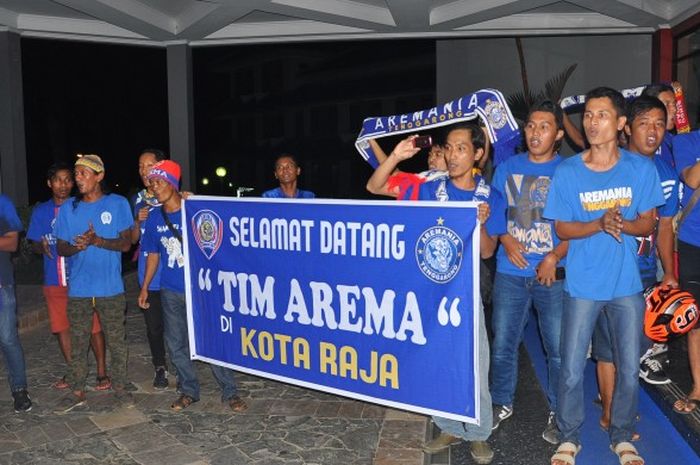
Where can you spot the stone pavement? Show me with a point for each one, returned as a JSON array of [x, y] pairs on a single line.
[[284, 425]]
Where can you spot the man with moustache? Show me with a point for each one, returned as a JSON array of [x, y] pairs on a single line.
[[601, 200], [93, 229], [527, 263]]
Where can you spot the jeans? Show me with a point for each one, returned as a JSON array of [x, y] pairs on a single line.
[[624, 315], [512, 298], [466, 431], [177, 342], [602, 339], [9, 339]]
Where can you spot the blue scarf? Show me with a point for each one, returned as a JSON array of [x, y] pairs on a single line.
[[487, 104], [576, 102]]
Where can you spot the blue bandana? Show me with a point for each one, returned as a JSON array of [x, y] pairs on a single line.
[[576, 102], [487, 104]]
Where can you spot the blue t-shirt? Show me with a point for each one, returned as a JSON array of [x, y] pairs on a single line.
[[443, 190], [142, 199], [687, 154], [598, 267], [42, 225], [94, 272], [9, 222], [646, 246], [277, 193], [158, 239], [524, 186], [665, 150]]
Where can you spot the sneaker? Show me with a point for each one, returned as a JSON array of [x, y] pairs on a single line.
[[440, 443], [160, 380], [551, 432], [69, 402], [658, 348], [481, 452], [500, 413], [651, 371], [22, 401]]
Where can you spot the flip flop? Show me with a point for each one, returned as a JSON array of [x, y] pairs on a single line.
[[566, 452], [687, 402], [103, 383], [626, 453], [61, 384]]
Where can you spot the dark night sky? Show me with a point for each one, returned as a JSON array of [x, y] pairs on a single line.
[[112, 100]]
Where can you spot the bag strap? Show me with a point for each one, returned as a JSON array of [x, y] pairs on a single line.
[[172, 229], [691, 203]]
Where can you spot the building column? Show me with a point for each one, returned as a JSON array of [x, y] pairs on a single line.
[[13, 152], [181, 112], [662, 56]]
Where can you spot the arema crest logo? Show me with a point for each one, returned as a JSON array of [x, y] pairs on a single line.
[[439, 252], [207, 229]]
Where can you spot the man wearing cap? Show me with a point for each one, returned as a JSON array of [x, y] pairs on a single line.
[[162, 237], [93, 229]]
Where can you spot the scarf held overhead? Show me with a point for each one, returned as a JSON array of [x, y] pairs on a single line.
[[487, 104]]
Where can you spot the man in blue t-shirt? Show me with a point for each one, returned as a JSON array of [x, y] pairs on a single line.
[[41, 232], [93, 229], [10, 227], [464, 145], [287, 172], [527, 263], [162, 238], [687, 156], [645, 128], [601, 199]]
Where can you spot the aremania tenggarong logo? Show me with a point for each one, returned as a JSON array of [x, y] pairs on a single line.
[[439, 253]]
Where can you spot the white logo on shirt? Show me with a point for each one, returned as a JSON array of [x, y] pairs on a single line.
[[106, 217]]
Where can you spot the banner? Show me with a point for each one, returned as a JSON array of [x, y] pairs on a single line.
[[366, 299]]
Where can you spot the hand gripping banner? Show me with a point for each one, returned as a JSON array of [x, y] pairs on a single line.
[[370, 300], [487, 104]]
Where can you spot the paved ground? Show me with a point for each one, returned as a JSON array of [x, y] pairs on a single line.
[[284, 424]]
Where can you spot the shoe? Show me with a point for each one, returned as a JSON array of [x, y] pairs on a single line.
[[658, 348], [440, 443], [182, 403], [481, 452], [551, 432], [160, 380], [500, 413], [69, 402], [237, 404], [651, 371], [22, 401]]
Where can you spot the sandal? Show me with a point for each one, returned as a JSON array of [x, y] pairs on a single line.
[[182, 403], [566, 453], [103, 383], [686, 405], [627, 453], [61, 384], [237, 404]]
